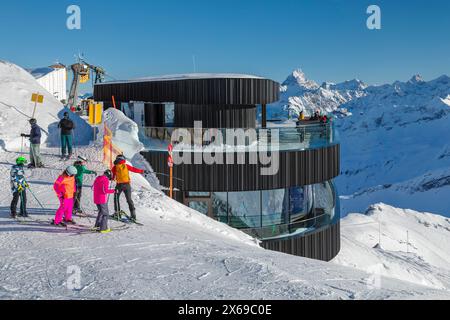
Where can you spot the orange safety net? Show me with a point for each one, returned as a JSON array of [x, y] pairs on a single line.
[[110, 151]]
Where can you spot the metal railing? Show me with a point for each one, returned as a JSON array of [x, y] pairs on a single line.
[[303, 137]]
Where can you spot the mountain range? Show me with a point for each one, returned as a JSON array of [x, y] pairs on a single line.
[[394, 138]]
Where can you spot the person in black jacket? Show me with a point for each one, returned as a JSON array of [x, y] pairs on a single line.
[[67, 126], [35, 144]]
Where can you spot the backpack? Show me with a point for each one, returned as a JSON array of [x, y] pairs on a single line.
[[122, 173]]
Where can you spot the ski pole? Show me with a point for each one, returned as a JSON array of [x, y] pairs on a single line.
[[34, 196], [74, 146]]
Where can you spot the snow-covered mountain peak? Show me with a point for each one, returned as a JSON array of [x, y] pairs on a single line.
[[298, 78], [350, 85], [416, 79]]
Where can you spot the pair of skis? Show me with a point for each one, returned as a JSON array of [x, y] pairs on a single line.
[[122, 216]]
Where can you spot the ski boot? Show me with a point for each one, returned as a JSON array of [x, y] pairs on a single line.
[[61, 225], [70, 222], [105, 231]]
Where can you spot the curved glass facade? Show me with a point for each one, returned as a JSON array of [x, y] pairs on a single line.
[[288, 138], [272, 213]]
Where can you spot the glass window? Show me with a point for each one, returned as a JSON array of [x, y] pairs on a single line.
[[199, 194], [324, 198], [199, 206], [220, 206], [170, 114], [245, 209], [274, 207]]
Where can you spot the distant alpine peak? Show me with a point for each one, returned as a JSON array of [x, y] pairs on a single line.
[[355, 85], [417, 79], [299, 78]]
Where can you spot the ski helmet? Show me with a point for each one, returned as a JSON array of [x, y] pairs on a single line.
[[121, 157], [108, 174], [33, 121], [21, 161], [71, 171]]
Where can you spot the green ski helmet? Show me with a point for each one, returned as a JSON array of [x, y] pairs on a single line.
[[21, 161]]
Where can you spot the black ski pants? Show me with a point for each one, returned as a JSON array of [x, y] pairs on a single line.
[[126, 189], [22, 198]]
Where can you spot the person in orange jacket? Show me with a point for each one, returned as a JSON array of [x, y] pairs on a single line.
[[65, 188], [121, 174]]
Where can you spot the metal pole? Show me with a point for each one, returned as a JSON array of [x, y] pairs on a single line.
[[171, 182]]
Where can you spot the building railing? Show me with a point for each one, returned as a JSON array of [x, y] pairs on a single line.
[[282, 138], [317, 221]]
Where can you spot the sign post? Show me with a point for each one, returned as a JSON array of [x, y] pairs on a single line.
[[36, 98], [95, 116], [170, 164]]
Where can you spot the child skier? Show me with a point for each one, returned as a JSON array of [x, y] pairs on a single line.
[[101, 191], [18, 188], [80, 165], [65, 188]]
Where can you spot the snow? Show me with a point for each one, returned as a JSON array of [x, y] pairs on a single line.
[[298, 93], [414, 246], [180, 253], [394, 138], [16, 108]]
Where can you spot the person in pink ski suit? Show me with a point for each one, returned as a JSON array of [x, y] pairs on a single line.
[[101, 191], [65, 187]]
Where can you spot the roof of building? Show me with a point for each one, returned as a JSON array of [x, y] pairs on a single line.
[[193, 89], [187, 76]]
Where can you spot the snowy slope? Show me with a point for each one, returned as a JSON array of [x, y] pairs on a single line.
[[178, 254], [395, 147], [414, 246], [16, 108]]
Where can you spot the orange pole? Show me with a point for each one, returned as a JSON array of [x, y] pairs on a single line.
[[114, 102]]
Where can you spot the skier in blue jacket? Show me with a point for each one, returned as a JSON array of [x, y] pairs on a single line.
[[18, 188], [35, 145]]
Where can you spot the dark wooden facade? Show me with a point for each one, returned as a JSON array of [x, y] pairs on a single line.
[[212, 91], [296, 168], [323, 244], [155, 115], [223, 116]]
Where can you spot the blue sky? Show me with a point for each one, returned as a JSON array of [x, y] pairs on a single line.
[[328, 39]]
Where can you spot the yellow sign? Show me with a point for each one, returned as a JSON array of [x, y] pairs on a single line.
[[95, 113], [84, 78], [37, 98]]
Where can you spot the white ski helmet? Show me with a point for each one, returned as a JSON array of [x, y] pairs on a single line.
[[71, 171]]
